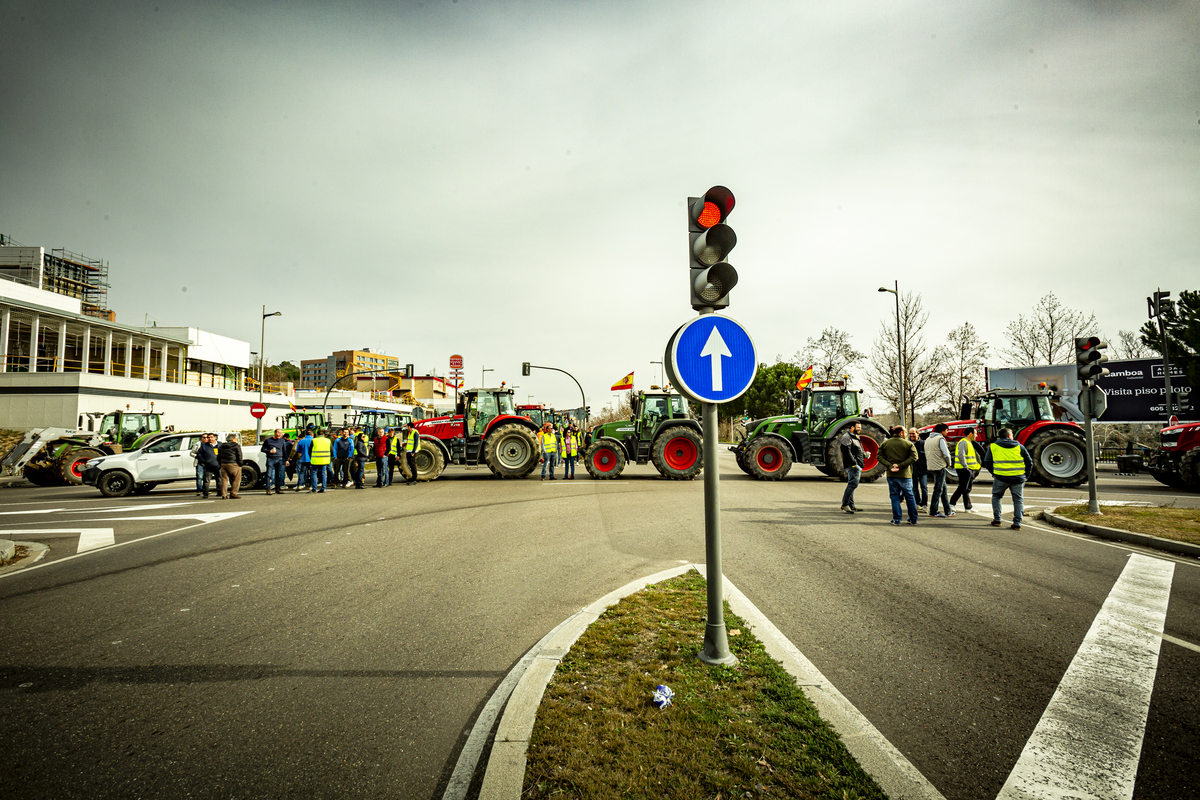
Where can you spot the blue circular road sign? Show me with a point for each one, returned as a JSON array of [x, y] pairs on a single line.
[[711, 359]]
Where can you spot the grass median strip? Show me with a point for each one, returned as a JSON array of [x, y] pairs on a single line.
[[731, 732], [1180, 524]]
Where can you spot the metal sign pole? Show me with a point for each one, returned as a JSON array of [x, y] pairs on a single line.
[[1088, 412], [716, 643]]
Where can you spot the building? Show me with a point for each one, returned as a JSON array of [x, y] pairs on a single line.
[[321, 372]]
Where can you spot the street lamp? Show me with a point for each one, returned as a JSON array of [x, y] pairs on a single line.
[[659, 371], [899, 349], [483, 375], [262, 367]]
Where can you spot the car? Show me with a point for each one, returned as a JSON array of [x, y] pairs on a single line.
[[167, 459]]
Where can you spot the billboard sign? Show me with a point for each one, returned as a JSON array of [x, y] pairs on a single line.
[[1134, 389]]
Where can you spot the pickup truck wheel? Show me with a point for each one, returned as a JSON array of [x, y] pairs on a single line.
[[250, 477], [115, 483]]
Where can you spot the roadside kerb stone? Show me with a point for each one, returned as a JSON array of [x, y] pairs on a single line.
[[1144, 539], [8, 550]]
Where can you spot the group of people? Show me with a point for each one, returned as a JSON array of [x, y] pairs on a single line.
[[220, 462], [339, 461], [911, 461], [563, 443]]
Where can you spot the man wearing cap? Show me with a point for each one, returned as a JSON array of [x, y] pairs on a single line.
[[410, 442]]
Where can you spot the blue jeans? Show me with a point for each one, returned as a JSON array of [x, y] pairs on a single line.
[[316, 480], [199, 477], [1018, 499], [302, 474], [275, 473], [360, 471], [902, 488], [550, 458], [921, 488], [569, 466], [381, 471], [939, 493], [852, 476]]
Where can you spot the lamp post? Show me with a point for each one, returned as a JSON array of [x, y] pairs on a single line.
[[659, 371], [261, 367], [483, 375], [899, 348]]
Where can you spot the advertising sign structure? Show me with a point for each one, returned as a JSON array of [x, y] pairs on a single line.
[[1134, 389]]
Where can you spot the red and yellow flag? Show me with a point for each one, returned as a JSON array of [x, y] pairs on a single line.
[[293, 405], [624, 383], [805, 379]]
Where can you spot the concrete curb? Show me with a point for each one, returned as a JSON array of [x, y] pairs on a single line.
[[36, 551], [505, 775], [1144, 539], [8, 550]]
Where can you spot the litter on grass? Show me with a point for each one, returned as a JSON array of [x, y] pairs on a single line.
[[663, 696]]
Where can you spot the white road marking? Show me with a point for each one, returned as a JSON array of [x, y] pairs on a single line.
[[105, 509], [1089, 739], [202, 517], [89, 538]]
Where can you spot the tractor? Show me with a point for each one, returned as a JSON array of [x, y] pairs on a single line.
[[808, 433], [485, 429], [539, 414], [660, 431], [295, 423], [1176, 460], [372, 419], [56, 456], [1057, 447]]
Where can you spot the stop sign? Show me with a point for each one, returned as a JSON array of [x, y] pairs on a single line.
[[258, 410]]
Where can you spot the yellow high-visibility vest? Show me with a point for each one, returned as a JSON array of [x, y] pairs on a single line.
[[967, 449], [570, 446], [391, 445], [549, 442], [1007, 461], [322, 450], [413, 442]]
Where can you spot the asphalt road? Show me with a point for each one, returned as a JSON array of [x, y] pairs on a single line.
[[342, 646]]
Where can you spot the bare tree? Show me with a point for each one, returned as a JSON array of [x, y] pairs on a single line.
[[923, 369], [965, 366], [1047, 334], [831, 355], [1130, 345]]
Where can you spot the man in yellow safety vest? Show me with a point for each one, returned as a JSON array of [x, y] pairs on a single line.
[[548, 441], [319, 459], [966, 464], [412, 443], [1009, 463]]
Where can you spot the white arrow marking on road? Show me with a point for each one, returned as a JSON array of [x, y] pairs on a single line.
[[89, 538], [716, 348], [201, 517], [100, 510]]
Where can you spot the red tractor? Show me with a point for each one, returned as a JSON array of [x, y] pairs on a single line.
[[1176, 461], [1058, 447], [485, 429]]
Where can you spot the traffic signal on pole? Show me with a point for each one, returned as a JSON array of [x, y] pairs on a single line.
[[408, 370], [709, 243], [525, 368], [1090, 358]]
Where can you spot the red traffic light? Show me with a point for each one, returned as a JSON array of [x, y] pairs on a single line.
[[713, 208]]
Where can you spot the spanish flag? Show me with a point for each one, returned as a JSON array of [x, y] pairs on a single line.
[[805, 379], [293, 406], [624, 383]]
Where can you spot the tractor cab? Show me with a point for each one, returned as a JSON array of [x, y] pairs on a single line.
[[1013, 410], [821, 405], [372, 420], [651, 409], [126, 430], [480, 406], [294, 423]]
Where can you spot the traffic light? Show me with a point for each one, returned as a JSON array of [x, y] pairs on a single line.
[[710, 240], [525, 369], [1090, 358], [408, 370]]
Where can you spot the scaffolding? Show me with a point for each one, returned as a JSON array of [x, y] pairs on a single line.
[[75, 275]]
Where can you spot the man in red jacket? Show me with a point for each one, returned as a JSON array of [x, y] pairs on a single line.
[[380, 448]]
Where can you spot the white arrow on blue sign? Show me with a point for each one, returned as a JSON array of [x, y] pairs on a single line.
[[711, 359]]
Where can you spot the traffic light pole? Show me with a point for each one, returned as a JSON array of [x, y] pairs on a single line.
[[716, 642], [1093, 498]]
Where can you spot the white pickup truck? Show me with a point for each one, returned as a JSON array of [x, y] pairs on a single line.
[[167, 460]]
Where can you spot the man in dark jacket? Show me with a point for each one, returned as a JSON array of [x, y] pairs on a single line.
[[1009, 462], [277, 449], [853, 459], [229, 454], [898, 454], [206, 458], [343, 453], [920, 469], [362, 454]]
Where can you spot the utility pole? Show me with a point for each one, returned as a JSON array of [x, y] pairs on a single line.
[[900, 349], [1160, 306]]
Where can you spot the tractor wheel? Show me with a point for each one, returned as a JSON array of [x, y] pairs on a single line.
[[767, 458], [1059, 459], [42, 476], [71, 463], [678, 454], [740, 456], [604, 460], [1168, 478], [952, 474], [872, 438], [430, 462], [115, 483], [511, 451], [1189, 470]]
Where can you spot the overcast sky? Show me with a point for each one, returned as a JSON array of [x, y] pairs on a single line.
[[507, 180]]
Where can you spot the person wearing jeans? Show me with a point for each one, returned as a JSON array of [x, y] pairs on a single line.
[[920, 470], [276, 449], [853, 459], [381, 443], [1009, 462], [937, 458], [965, 466], [898, 454]]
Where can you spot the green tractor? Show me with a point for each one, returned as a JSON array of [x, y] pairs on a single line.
[[294, 423], [808, 433], [56, 456], [660, 431]]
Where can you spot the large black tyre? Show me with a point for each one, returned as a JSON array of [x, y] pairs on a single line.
[[1167, 478], [1059, 458], [871, 438], [115, 483], [739, 455], [511, 451], [678, 454], [1189, 470], [768, 458], [430, 462], [71, 463], [40, 476], [251, 477], [604, 460]]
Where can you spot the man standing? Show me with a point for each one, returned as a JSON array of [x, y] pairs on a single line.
[[937, 457], [205, 454], [362, 454], [549, 444], [319, 459], [229, 454], [380, 445], [898, 455], [276, 449], [411, 443], [920, 470], [853, 459], [1009, 463], [343, 450], [301, 456], [966, 464]]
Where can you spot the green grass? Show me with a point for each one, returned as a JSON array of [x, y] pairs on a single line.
[[732, 732], [1180, 524]]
